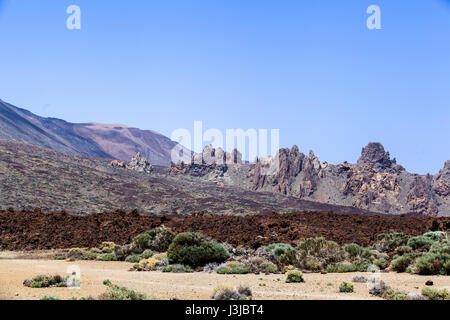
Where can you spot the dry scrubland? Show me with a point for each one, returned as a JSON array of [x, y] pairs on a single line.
[[163, 264], [197, 286]]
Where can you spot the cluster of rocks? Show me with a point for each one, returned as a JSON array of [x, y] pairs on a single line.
[[138, 163], [375, 183], [209, 160]]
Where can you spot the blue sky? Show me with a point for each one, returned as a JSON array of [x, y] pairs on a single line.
[[309, 68]]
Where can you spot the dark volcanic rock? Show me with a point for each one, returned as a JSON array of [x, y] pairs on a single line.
[[374, 155]]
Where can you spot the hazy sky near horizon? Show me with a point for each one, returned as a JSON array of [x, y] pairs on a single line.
[[309, 68]]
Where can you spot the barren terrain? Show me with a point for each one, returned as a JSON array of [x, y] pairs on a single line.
[[188, 286]]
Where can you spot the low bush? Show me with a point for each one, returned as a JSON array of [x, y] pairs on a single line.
[[343, 268], [434, 294], [381, 263], [228, 293], [278, 249], [233, 268], [148, 264], [359, 279], [294, 276], [401, 263], [346, 287], [108, 247], [403, 250], [436, 261], [45, 281], [177, 268], [134, 258], [388, 242], [419, 242], [314, 254], [356, 251], [194, 249], [269, 267], [107, 257], [147, 254], [116, 292], [158, 239], [394, 295]]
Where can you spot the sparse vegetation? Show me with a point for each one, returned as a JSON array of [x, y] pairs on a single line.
[[107, 257], [233, 267], [228, 293], [434, 294], [294, 276], [177, 268], [116, 292], [346, 287], [45, 281]]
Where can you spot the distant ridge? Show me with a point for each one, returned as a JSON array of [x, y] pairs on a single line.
[[87, 139]]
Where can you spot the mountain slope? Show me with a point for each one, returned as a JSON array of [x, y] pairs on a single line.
[[33, 177], [89, 139]]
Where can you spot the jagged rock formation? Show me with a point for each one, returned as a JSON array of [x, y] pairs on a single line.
[[138, 163], [210, 161], [376, 182]]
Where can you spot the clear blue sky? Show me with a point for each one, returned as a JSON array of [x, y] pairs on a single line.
[[310, 68]]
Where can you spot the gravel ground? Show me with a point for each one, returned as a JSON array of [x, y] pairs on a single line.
[[192, 286]]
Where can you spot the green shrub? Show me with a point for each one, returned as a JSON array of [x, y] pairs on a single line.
[[346, 287], [194, 249], [45, 281], [134, 258], [116, 292], [436, 261], [108, 247], [177, 268], [403, 250], [342, 268], [313, 254], [233, 268], [356, 251], [419, 242], [391, 294], [434, 294], [278, 249], [294, 276], [401, 263], [147, 254], [59, 257], [228, 293], [107, 257], [388, 242], [269, 267], [381, 263], [433, 263], [158, 239], [142, 241]]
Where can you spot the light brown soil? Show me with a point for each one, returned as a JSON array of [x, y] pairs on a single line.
[[193, 286]]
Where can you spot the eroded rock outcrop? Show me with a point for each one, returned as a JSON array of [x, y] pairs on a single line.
[[210, 160], [376, 182], [138, 163]]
